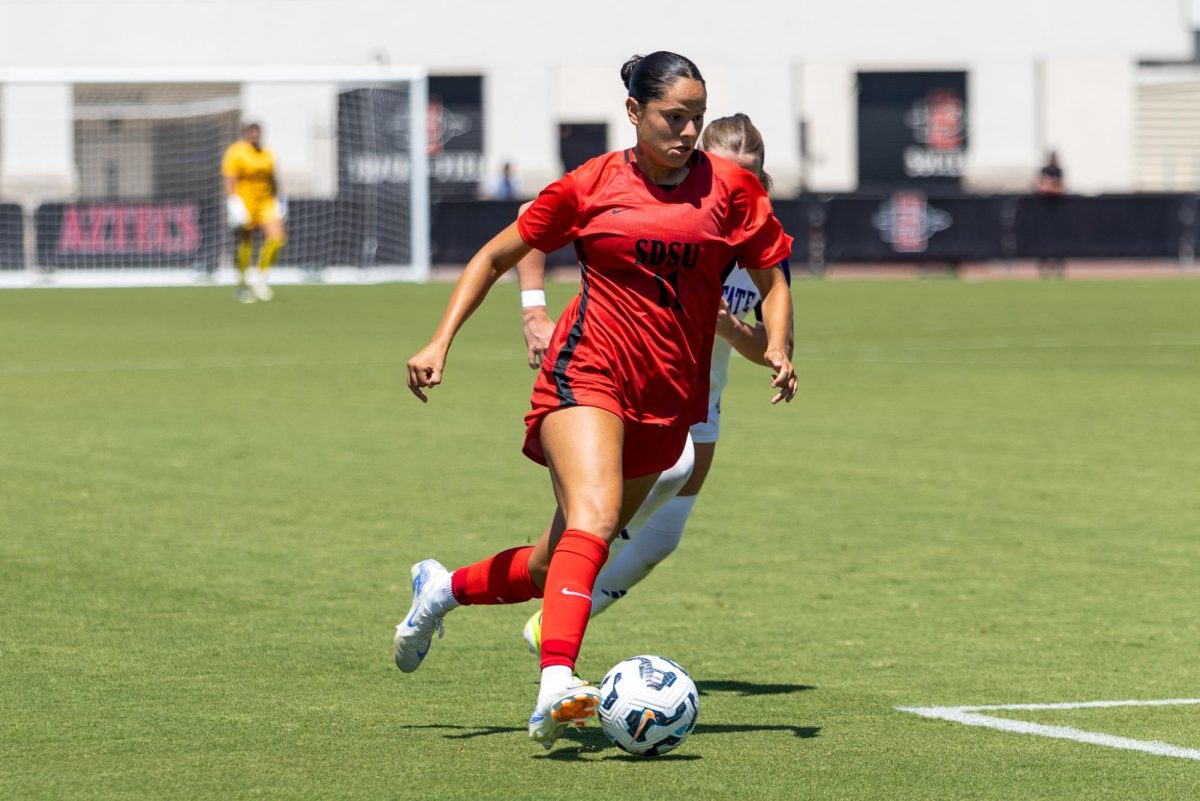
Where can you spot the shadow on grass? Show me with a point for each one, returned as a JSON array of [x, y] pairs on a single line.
[[583, 742], [575, 746], [748, 688], [467, 732], [803, 732], [576, 743]]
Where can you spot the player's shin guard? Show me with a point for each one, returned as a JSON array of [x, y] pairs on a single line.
[[270, 252], [500, 579], [573, 568], [245, 249]]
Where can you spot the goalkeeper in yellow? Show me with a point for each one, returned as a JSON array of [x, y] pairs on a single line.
[[253, 203]]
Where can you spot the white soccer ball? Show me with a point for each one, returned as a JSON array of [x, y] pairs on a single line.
[[648, 705]]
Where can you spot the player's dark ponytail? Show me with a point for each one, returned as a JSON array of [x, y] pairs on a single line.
[[647, 77]]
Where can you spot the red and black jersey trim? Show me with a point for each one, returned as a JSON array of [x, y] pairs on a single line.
[[562, 383]]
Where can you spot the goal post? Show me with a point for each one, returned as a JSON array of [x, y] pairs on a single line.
[[113, 176]]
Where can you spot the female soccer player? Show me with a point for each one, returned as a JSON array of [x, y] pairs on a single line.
[[655, 531], [627, 374], [252, 203]]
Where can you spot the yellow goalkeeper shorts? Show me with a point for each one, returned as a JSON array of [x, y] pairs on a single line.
[[262, 212]]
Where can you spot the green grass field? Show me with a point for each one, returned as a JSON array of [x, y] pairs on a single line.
[[986, 494]]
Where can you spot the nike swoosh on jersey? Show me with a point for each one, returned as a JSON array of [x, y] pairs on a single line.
[[618, 211], [565, 591]]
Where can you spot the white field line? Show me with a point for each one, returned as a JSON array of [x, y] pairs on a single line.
[[969, 716]]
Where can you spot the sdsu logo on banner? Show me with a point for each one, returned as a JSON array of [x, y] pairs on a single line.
[[455, 120], [906, 221], [937, 124], [912, 129], [373, 140]]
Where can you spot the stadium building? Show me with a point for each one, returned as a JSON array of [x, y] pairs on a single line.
[[132, 102]]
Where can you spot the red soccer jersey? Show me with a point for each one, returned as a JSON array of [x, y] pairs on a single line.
[[638, 338]]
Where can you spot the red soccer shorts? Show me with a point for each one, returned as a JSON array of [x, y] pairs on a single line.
[[649, 447]]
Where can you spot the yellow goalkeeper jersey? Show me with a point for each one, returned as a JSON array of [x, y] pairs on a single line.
[[254, 171]]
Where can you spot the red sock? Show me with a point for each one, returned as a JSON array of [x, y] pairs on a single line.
[[500, 579], [573, 569]]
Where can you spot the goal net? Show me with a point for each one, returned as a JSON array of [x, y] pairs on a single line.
[[115, 178]]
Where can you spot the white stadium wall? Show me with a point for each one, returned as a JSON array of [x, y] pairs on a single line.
[[1041, 73]]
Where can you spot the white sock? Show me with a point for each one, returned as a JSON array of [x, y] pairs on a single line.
[[645, 548], [443, 599], [554, 680], [669, 483]]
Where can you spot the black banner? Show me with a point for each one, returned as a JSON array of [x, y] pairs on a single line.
[[909, 226], [455, 137], [185, 234], [1107, 226], [462, 227], [802, 219], [12, 237], [375, 175], [912, 129]]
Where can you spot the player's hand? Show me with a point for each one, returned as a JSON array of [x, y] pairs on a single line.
[[425, 369], [538, 329], [784, 378], [235, 212]]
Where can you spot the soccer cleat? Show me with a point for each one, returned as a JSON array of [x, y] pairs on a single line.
[[532, 633], [575, 704], [243, 294], [415, 634], [262, 290]]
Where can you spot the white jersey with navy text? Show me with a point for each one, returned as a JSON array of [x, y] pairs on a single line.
[[743, 297]]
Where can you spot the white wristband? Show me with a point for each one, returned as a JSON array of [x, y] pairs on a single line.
[[533, 297]]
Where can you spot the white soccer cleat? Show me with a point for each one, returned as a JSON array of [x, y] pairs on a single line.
[[415, 634], [532, 633], [573, 705], [243, 294], [262, 290]]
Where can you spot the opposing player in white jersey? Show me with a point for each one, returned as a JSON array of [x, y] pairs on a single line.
[[656, 529]]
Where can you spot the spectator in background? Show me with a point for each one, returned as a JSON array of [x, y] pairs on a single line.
[[504, 186], [1050, 179], [1050, 187]]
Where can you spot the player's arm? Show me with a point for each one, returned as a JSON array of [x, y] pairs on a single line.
[[750, 341], [777, 320], [538, 326], [492, 261]]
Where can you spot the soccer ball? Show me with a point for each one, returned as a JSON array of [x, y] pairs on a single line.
[[648, 705]]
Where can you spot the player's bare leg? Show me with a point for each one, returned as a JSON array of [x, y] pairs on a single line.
[[583, 447], [631, 556]]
